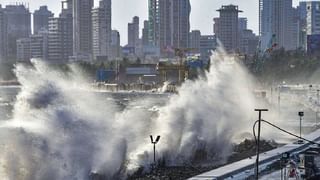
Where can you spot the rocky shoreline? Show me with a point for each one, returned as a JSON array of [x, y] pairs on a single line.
[[245, 149]]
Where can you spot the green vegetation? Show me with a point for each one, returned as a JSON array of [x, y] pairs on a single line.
[[290, 67], [7, 68], [280, 66]]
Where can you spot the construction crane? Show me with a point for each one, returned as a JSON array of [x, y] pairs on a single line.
[[163, 68], [262, 54], [181, 53]]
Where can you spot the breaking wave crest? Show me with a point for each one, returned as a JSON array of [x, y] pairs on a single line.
[[62, 130]]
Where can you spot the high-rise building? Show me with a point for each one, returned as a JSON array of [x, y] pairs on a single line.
[[309, 18], [169, 23], [18, 26], [115, 44], [243, 23], [82, 28], [133, 32], [60, 42], [57, 40], [278, 21], [194, 40], [154, 22], [41, 19], [23, 50], [39, 45], [165, 26], [310, 13], [248, 42], [181, 22], [99, 34], [67, 17], [106, 4], [3, 35], [294, 29], [226, 27], [145, 33], [216, 24], [101, 30]]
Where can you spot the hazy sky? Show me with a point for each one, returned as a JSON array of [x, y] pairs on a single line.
[[202, 12]]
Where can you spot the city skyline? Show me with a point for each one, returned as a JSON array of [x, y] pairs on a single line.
[[200, 9]]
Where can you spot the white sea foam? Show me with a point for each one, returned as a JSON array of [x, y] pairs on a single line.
[[60, 131]]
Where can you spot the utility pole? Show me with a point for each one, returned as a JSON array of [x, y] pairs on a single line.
[[271, 94], [279, 99], [301, 114], [317, 110], [258, 142]]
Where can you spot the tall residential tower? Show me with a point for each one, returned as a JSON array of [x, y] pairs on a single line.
[[82, 28], [169, 23], [18, 19], [133, 32], [3, 35], [309, 20], [60, 42], [278, 20], [41, 19], [101, 30], [226, 27], [180, 19]]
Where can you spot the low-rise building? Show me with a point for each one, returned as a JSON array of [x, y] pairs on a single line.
[[248, 42], [194, 40], [208, 43], [140, 74], [313, 44], [39, 45]]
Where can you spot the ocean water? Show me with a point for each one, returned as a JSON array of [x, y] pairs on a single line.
[[57, 127]]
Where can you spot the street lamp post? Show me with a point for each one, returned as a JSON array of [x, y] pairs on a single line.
[[271, 94], [317, 110], [258, 143], [279, 99], [154, 147], [310, 87], [301, 114], [283, 161]]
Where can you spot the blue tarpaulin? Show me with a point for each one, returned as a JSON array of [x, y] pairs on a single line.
[[195, 64], [103, 75]]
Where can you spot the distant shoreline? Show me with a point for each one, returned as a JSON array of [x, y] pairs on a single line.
[[9, 83]]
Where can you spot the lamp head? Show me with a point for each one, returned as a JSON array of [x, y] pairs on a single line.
[[301, 113], [156, 140]]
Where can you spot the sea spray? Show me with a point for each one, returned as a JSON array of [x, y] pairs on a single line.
[[206, 114], [61, 130]]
